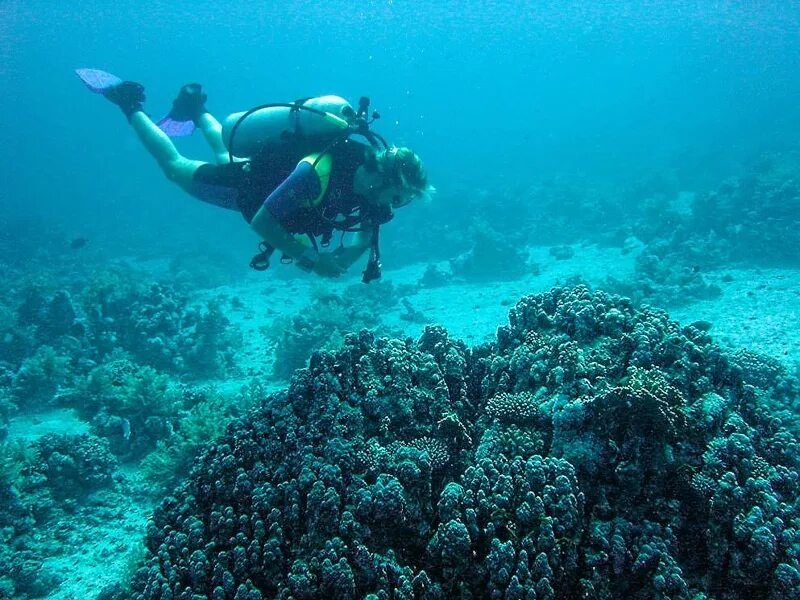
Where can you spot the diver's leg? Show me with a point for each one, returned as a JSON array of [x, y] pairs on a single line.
[[212, 132], [189, 111], [218, 185], [176, 167], [130, 97]]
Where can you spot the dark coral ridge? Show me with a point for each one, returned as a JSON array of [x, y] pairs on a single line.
[[632, 459]]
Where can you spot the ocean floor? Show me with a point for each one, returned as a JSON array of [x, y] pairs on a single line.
[[758, 310], [101, 541]]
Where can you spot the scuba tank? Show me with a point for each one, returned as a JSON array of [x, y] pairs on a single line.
[[247, 133]]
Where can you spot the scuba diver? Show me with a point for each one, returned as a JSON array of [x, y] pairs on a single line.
[[291, 169]]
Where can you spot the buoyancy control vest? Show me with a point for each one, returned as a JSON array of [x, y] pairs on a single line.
[[308, 129]]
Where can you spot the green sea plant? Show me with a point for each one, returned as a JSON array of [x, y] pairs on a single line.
[[130, 405], [172, 458], [38, 379], [7, 407], [15, 457], [124, 388]]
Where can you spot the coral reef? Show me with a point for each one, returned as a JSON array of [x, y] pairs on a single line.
[[758, 369], [156, 325], [593, 450], [664, 277], [40, 483], [38, 379], [435, 277], [73, 465], [108, 342], [563, 252], [324, 321], [750, 221], [53, 335], [547, 211], [132, 406], [753, 218]]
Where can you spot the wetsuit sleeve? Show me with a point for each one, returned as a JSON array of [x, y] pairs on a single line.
[[301, 186]]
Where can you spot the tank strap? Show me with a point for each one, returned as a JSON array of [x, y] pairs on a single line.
[[297, 106]]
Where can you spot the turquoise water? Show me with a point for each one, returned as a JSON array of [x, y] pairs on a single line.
[[525, 90], [600, 167]]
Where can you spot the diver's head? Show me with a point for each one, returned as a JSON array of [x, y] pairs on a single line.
[[395, 177]]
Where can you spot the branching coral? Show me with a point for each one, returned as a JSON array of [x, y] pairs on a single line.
[[648, 408], [758, 369], [514, 408]]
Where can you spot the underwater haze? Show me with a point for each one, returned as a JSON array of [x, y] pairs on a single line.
[[574, 368], [487, 92]]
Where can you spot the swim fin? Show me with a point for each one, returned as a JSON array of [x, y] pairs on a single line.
[[98, 81], [128, 95], [186, 110]]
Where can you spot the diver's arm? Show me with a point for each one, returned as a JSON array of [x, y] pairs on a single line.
[[326, 264], [303, 184], [273, 233], [347, 255]]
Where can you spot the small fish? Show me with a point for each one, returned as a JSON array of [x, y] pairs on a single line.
[[79, 242], [126, 429]]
